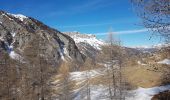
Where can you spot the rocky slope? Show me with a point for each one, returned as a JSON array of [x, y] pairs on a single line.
[[22, 36], [88, 44]]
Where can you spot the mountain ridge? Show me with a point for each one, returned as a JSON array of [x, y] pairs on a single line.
[[18, 31]]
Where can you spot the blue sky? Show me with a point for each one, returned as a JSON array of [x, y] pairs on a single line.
[[86, 16]]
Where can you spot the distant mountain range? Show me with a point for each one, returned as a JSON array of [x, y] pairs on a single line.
[[153, 48]]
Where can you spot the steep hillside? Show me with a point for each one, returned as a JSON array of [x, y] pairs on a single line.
[[22, 36]]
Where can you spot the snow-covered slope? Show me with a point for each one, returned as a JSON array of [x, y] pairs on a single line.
[[101, 92], [146, 93], [88, 44], [165, 61], [18, 16], [86, 38]]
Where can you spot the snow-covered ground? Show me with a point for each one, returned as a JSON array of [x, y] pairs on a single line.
[[146, 93], [165, 61], [83, 75], [100, 92], [97, 92]]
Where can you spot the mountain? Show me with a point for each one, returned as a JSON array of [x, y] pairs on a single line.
[[88, 44], [153, 48], [25, 37]]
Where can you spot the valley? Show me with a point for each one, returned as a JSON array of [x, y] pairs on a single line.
[[41, 63]]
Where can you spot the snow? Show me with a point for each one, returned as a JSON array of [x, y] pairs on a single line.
[[149, 49], [1, 38], [161, 45], [18, 16], [91, 41], [13, 55], [61, 54], [66, 53], [13, 34], [61, 51], [83, 75], [10, 50], [165, 61], [147, 93], [6, 16], [86, 38], [158, 46], [100, 92], [97, 92], [140, 63]]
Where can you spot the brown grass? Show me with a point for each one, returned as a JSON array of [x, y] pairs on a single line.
[[140, 76]]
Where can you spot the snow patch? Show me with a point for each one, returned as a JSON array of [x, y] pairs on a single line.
[[100, 92], [14, 55], [83, 75], [18, 16], [1, 38], [6, 16], [165, 61], [97, 92], [61, 54], [13, 34], [147, 93], [66, 53], [140, 63], [10, 50]]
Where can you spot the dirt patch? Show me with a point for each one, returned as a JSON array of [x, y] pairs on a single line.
[[140, 76]]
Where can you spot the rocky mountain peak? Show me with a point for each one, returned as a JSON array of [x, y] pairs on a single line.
[[86, 38], [80, 35], [88, 44]]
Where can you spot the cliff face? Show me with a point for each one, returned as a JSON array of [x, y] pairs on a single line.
[[22, 36]]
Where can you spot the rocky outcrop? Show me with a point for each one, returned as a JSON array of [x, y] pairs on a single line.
[[24, 36]]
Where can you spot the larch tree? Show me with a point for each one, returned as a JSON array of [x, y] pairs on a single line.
[[155, 15], [116, 90]]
